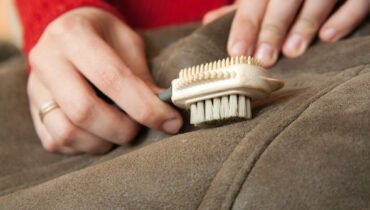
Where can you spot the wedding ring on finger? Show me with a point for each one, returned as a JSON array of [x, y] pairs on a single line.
[[46, 108]]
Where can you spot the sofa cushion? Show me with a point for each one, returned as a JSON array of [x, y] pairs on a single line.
[[307, 146]]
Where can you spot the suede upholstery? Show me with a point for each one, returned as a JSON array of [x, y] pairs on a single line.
[[307, 147]]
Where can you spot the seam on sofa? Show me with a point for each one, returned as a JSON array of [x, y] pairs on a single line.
[[224, 204], [358, 73]]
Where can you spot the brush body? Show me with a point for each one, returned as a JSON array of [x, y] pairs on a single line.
[[222, 90]]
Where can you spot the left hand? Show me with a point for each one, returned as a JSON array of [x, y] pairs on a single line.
[[264, 28]]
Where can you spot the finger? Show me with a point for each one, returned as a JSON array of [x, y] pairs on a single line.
[[245, 27], [130, 48], [276, 22], [311, 17], [61, 130], [82, 106], [46, 139], [348, 17], [106, 70], [65, 133], [217, 13]]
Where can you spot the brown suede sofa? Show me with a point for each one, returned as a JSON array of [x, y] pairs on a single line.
[[307, 147]]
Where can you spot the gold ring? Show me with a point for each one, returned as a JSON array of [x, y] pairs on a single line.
[[46, 108]]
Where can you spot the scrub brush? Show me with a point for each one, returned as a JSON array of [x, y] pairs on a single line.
[[221, 91]]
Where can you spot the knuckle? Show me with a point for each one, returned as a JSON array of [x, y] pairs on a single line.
[[250, 23], [82, 110], [111, 79], [66, 134], [68, 25], [307, 25], [34, 56], [147, 115], [272, 31]]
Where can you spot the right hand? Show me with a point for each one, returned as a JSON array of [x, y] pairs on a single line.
[[90, 44], [264, 28]]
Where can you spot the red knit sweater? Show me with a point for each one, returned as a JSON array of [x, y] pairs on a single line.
[[36, 15]]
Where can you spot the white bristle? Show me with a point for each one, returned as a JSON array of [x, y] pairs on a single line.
[[249, 109], [197, 69], [213, 74], [201, 76], [196, 74], [200, 111], [207, 75], [233, 106], [193, 114], [219, 74], [223, 63], [216, 109], [208, 110], [224, 109], [242, 111], [193, 79], [219, 64], [244, 107], [181, 74]]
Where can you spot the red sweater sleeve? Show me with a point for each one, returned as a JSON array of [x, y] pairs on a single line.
[[36, 15]]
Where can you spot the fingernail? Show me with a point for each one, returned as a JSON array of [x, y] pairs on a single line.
[[240, 48], [172, 126], [296, 45], [329, 34], [266, 54]]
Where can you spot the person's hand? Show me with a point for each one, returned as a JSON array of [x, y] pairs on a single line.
[[263, 28], [90, 45]]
